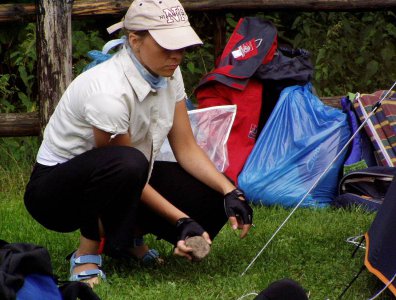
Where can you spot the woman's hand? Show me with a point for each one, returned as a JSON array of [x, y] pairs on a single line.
[[238, 211], [187, 227], [193, 159]]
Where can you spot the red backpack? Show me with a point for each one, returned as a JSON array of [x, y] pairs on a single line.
[[252, 43]]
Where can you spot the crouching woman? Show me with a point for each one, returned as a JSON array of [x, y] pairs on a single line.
[[95, 168]]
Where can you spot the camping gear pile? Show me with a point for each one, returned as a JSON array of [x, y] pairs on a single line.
[[283, 136], [288, 148]]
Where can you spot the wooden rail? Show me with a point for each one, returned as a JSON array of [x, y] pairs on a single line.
[[28, 124], [20, 124], [82, 8]]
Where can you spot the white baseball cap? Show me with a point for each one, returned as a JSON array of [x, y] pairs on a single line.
[[165, 20]]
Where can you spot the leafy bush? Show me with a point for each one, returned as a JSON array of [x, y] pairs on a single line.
[[353, 52], [83, 41], [17, 79]]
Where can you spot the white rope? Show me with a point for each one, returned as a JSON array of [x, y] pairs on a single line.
[[319, 178], [247, 295], [384, 288], [354, 240]]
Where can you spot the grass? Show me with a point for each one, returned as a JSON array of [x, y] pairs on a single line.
[[311, 249]]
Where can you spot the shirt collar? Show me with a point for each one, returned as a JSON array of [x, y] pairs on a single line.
[[141, 87], [156, 82]]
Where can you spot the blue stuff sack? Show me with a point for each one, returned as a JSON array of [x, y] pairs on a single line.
[[299, 141], [39, 286]]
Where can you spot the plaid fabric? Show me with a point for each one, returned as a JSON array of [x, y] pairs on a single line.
[[381, 128]]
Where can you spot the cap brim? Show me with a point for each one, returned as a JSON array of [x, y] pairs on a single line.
[[176, 38]]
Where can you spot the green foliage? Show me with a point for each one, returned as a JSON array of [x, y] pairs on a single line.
[[84, 41], [198, 60], [17, 81], [17, 155], [6, 92], [353, 52]]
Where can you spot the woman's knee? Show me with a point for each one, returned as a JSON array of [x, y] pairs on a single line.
[[131, 164]]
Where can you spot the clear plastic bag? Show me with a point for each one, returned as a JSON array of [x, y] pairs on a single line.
[[299, 141], [211, 128]]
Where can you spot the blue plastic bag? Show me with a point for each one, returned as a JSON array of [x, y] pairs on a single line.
[[299, 141], [100, 56]]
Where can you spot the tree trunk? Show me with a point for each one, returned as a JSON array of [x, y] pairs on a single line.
[[54, 57]]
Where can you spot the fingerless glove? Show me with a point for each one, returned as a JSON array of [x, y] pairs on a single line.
[[234, 206], [187, 227]]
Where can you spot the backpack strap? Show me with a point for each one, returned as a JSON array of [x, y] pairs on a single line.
[[112, 44]]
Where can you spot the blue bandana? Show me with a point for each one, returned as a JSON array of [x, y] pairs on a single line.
[[156, 82]]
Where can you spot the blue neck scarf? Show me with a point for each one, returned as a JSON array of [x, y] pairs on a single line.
[[156, 82]]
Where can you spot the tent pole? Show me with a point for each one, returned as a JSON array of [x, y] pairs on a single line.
[[375, 107], [362, 268]]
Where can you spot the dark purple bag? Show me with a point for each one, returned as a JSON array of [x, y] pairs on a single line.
[[361, 150]]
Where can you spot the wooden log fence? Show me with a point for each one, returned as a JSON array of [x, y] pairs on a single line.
[[83, 8], [54, 64], [19, 124]]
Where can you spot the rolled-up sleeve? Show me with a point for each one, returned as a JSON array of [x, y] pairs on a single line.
[[108, 113]]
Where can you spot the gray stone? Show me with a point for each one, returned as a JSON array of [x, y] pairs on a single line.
[[200, 247]]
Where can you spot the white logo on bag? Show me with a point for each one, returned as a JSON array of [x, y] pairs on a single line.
[[245, 48], [311, 162], [174, 14]]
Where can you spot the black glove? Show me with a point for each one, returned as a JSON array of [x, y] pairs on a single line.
[[187, 227], [236, 207]]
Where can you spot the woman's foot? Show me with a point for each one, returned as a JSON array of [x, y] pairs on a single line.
[[145, 255], [86, 268], [85, 263], [139, 251]]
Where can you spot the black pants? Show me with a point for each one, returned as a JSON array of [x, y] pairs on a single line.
[[106, 183]]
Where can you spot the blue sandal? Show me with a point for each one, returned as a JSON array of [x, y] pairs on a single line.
[[88, 274], [151, 257]]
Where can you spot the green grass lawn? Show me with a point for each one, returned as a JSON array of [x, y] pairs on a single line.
[[310, 249]]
